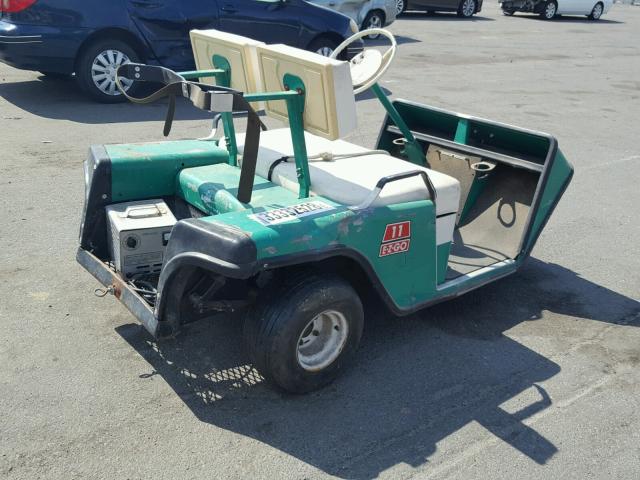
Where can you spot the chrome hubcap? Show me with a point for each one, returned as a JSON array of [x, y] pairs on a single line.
[[551, 10], [322, 340], [325, 51], [468, 7], [103, 72], [597, 11]]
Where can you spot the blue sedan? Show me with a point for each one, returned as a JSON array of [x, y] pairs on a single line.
[[92, 39]]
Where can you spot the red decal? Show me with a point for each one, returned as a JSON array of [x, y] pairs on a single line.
[[392, 248], [397, 231]]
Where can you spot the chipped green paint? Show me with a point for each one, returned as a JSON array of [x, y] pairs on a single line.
[[213, 189], [149, 170], [409, 277]]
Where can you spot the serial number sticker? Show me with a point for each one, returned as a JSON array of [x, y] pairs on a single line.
[[391, 248], [281, 215]]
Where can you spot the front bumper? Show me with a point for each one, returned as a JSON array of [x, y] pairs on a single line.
[[40, 48]]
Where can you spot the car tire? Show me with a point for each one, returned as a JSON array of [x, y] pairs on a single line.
[[323, 46], [374, 19], [467, 8], [401, 6], [596, 13], [549, 10], [302, 334], [96, 65], [508, 12]]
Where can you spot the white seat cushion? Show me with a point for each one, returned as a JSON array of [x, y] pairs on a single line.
[[350, 180]]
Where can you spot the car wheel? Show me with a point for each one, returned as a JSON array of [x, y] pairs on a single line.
[[323, 46], [373, 19], [596, 13], [467, 8], [302, 335], [97, 66], [401, 6], [549, 10], [508, 12]]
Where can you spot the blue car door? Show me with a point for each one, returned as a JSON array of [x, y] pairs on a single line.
[[270, 21], [165, 25]]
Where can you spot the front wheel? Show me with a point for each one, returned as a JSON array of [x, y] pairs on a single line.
[[596, 13], [97, 66], [467, 8], [323, 46], [549, 10], [302, 335], [373, 19]]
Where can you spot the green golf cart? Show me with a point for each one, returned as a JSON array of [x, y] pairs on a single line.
[[289, 226]]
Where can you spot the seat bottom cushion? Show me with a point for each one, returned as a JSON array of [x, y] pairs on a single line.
[[349, 181]]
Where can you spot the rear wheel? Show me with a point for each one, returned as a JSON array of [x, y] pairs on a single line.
[[302, 335], [373, 19], [467, 8], [549, 10], [323, 46], [596, 13], [97, 66], [401, 6]]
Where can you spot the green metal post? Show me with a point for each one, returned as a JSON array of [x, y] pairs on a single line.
[[295, 108], [412, 149], [224, 80]]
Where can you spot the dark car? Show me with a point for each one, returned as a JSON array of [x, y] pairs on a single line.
[[92, 38], [464, 8]]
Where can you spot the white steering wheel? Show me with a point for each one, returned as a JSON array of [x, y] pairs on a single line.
[[368, 66]]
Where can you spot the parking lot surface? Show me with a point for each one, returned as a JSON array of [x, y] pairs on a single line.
[[536, 376]]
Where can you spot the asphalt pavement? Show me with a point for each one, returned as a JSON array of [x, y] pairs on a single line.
[[535, 376]]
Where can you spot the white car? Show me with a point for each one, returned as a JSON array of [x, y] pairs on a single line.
[[548, 9], [366, 13]]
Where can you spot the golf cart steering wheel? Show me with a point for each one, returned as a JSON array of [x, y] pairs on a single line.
[[368, 66]]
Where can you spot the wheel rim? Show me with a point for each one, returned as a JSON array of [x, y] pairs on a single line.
[[399, 6], [550, 11], [322, 340], [325, 51], [103, 72], [597, 11], [468, 7], [375, 22]]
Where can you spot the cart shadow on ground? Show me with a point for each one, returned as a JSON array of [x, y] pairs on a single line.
[[416, 380]]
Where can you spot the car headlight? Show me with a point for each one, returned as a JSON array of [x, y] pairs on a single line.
[[354, 27]]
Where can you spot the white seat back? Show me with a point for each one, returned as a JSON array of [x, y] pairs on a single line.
[[330, 106], [239, 51]]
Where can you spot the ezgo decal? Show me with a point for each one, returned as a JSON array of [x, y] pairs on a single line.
[[397, 239]]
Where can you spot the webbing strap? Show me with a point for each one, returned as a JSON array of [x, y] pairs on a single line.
[[211, 98]]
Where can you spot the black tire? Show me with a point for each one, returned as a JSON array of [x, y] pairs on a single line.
[[596, 13], [401, 6], [274, 330], [85, 63], [323, 46], [508, 12], [467, 8], [549, 10], [374, 19]]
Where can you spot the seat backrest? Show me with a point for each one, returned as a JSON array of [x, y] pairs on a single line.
[[330, 106], [239, 51]]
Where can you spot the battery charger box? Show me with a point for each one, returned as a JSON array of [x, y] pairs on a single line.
[[139, 233]]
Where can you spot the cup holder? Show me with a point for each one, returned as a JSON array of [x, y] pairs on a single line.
[[483, 166]]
